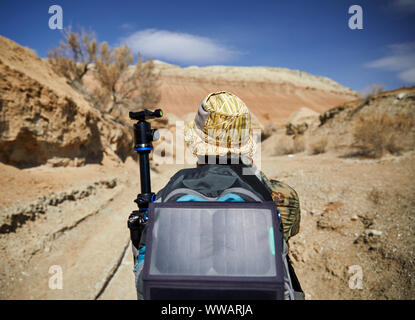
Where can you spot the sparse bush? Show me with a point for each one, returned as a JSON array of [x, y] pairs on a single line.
[[142, 87], [298, 144], [374, 196], [74, 56], [366, 96], [119, 83], [372, 90], [319, 146], [375, 134], [393, 145], [136, 88], [289, 145], [284, 146]]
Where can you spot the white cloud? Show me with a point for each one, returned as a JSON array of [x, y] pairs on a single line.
[[407, 76], [178, 47], [401, 59]]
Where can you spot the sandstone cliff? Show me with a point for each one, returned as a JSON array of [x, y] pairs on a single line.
[[43, 120]]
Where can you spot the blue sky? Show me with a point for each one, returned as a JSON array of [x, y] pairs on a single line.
[[311, 36]]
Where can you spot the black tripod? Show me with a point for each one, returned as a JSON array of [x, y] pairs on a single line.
[[143, 137]]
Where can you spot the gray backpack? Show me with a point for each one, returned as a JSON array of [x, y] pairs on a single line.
[[214, 233]]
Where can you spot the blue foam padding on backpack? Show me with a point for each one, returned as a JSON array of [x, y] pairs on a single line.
[[189, 197], [141, 255], [230, 197]]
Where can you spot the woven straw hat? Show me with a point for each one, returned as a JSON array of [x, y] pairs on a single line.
[[222, 126]]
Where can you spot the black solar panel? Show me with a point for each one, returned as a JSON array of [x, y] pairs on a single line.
[[213, 250]]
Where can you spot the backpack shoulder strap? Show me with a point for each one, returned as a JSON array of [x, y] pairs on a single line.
[[252, 180]]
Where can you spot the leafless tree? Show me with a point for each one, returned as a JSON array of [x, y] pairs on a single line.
[[75, 55], [123, 84]]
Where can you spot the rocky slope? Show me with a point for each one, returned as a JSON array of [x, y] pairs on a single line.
[[387, 115], [381, 123], [43, 120]]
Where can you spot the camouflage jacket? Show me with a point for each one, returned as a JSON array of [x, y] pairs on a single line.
[[286, 199], [288, 204]]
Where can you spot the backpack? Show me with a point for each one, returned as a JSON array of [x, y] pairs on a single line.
[[215, 233]]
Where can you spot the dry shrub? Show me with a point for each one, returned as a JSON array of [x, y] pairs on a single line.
[[137, 88], [267, 131], [289, 145], [374, 196], [318, 146], [75, 55], [379, 133], [119, 85], [372, 90], [298, 144], [366, 96], [284, 146]]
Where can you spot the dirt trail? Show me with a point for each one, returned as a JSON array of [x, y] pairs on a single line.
[[83, 230], [87, 242]]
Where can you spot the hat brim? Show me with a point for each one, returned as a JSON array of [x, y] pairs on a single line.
[[200, 144]]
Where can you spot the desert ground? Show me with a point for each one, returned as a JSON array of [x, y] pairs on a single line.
[[354, 212], [68, 179]]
